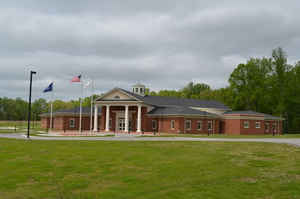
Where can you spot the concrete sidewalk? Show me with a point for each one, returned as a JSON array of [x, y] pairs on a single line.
[[291, 141]]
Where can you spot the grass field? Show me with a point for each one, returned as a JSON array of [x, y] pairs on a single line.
[[20, 126], [100, 169]]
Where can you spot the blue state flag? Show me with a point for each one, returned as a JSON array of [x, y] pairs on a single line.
[[49, 88]]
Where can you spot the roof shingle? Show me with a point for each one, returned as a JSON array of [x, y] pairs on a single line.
[[175, 110]]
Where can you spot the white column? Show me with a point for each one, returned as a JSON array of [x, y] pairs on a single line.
[[126, 118], [96, 118], [139, 118], [107, 118]]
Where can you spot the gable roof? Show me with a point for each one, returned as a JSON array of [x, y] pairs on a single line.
[[129, 94], [175, 110]]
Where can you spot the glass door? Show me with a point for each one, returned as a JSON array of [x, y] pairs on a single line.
[[121, 124]]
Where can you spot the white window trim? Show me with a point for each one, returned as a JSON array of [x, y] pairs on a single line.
[[74, 123], [189, 121], [246, 122], [154, 127], [201, 123], [257, 126], [172, 124]]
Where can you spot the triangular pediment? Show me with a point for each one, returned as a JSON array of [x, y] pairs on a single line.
[[116, 95]]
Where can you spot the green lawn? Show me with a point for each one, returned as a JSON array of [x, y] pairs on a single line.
[[21, 126], [102, 169]]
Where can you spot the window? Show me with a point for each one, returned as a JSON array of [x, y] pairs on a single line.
[[199, 125], [246, 124], [209, 125], [72, 123], [117, 97], [141, 90], [136, 90], [154, 124], [188, 124], [172, 124], [257, 125]]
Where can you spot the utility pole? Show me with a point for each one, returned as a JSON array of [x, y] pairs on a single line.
[[29, 104]]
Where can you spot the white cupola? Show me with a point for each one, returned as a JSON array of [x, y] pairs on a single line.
[[139, 89]]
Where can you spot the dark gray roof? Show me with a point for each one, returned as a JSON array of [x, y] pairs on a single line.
[[175, 110], [271, 117], [248, 112], [139, 97], [174, 101], [73, 111]]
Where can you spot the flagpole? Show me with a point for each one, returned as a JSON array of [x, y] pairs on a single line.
[[80, 109], [51, 112], [92, 102]]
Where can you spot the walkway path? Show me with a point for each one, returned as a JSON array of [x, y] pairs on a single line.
[[291, 141]]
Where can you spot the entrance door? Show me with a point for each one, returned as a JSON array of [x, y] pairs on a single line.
[[121, 124]]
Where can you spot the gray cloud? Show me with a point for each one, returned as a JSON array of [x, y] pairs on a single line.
[[163, 44]]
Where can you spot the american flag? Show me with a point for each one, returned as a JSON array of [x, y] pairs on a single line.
[[76, 79]]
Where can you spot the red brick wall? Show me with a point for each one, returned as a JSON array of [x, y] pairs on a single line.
[[252, 127], [164, 125], [232, 126], [63, 123], [145, 121], [204, 130], [45, 123], [236, 127], [102, 119]]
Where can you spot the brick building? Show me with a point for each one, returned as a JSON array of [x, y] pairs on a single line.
[[67, 119], [120, 110]]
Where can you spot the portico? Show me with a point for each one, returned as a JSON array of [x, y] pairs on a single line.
[[119, 117], [121, 111]]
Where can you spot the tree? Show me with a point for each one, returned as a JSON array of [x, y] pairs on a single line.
[[194, 90], [39, 106], [280, 78], [249, 84]]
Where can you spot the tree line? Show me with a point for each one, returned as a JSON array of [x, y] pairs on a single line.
[[17, 109], [268, 84]]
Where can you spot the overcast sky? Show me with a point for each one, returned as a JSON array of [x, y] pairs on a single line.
[[163, 44]]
